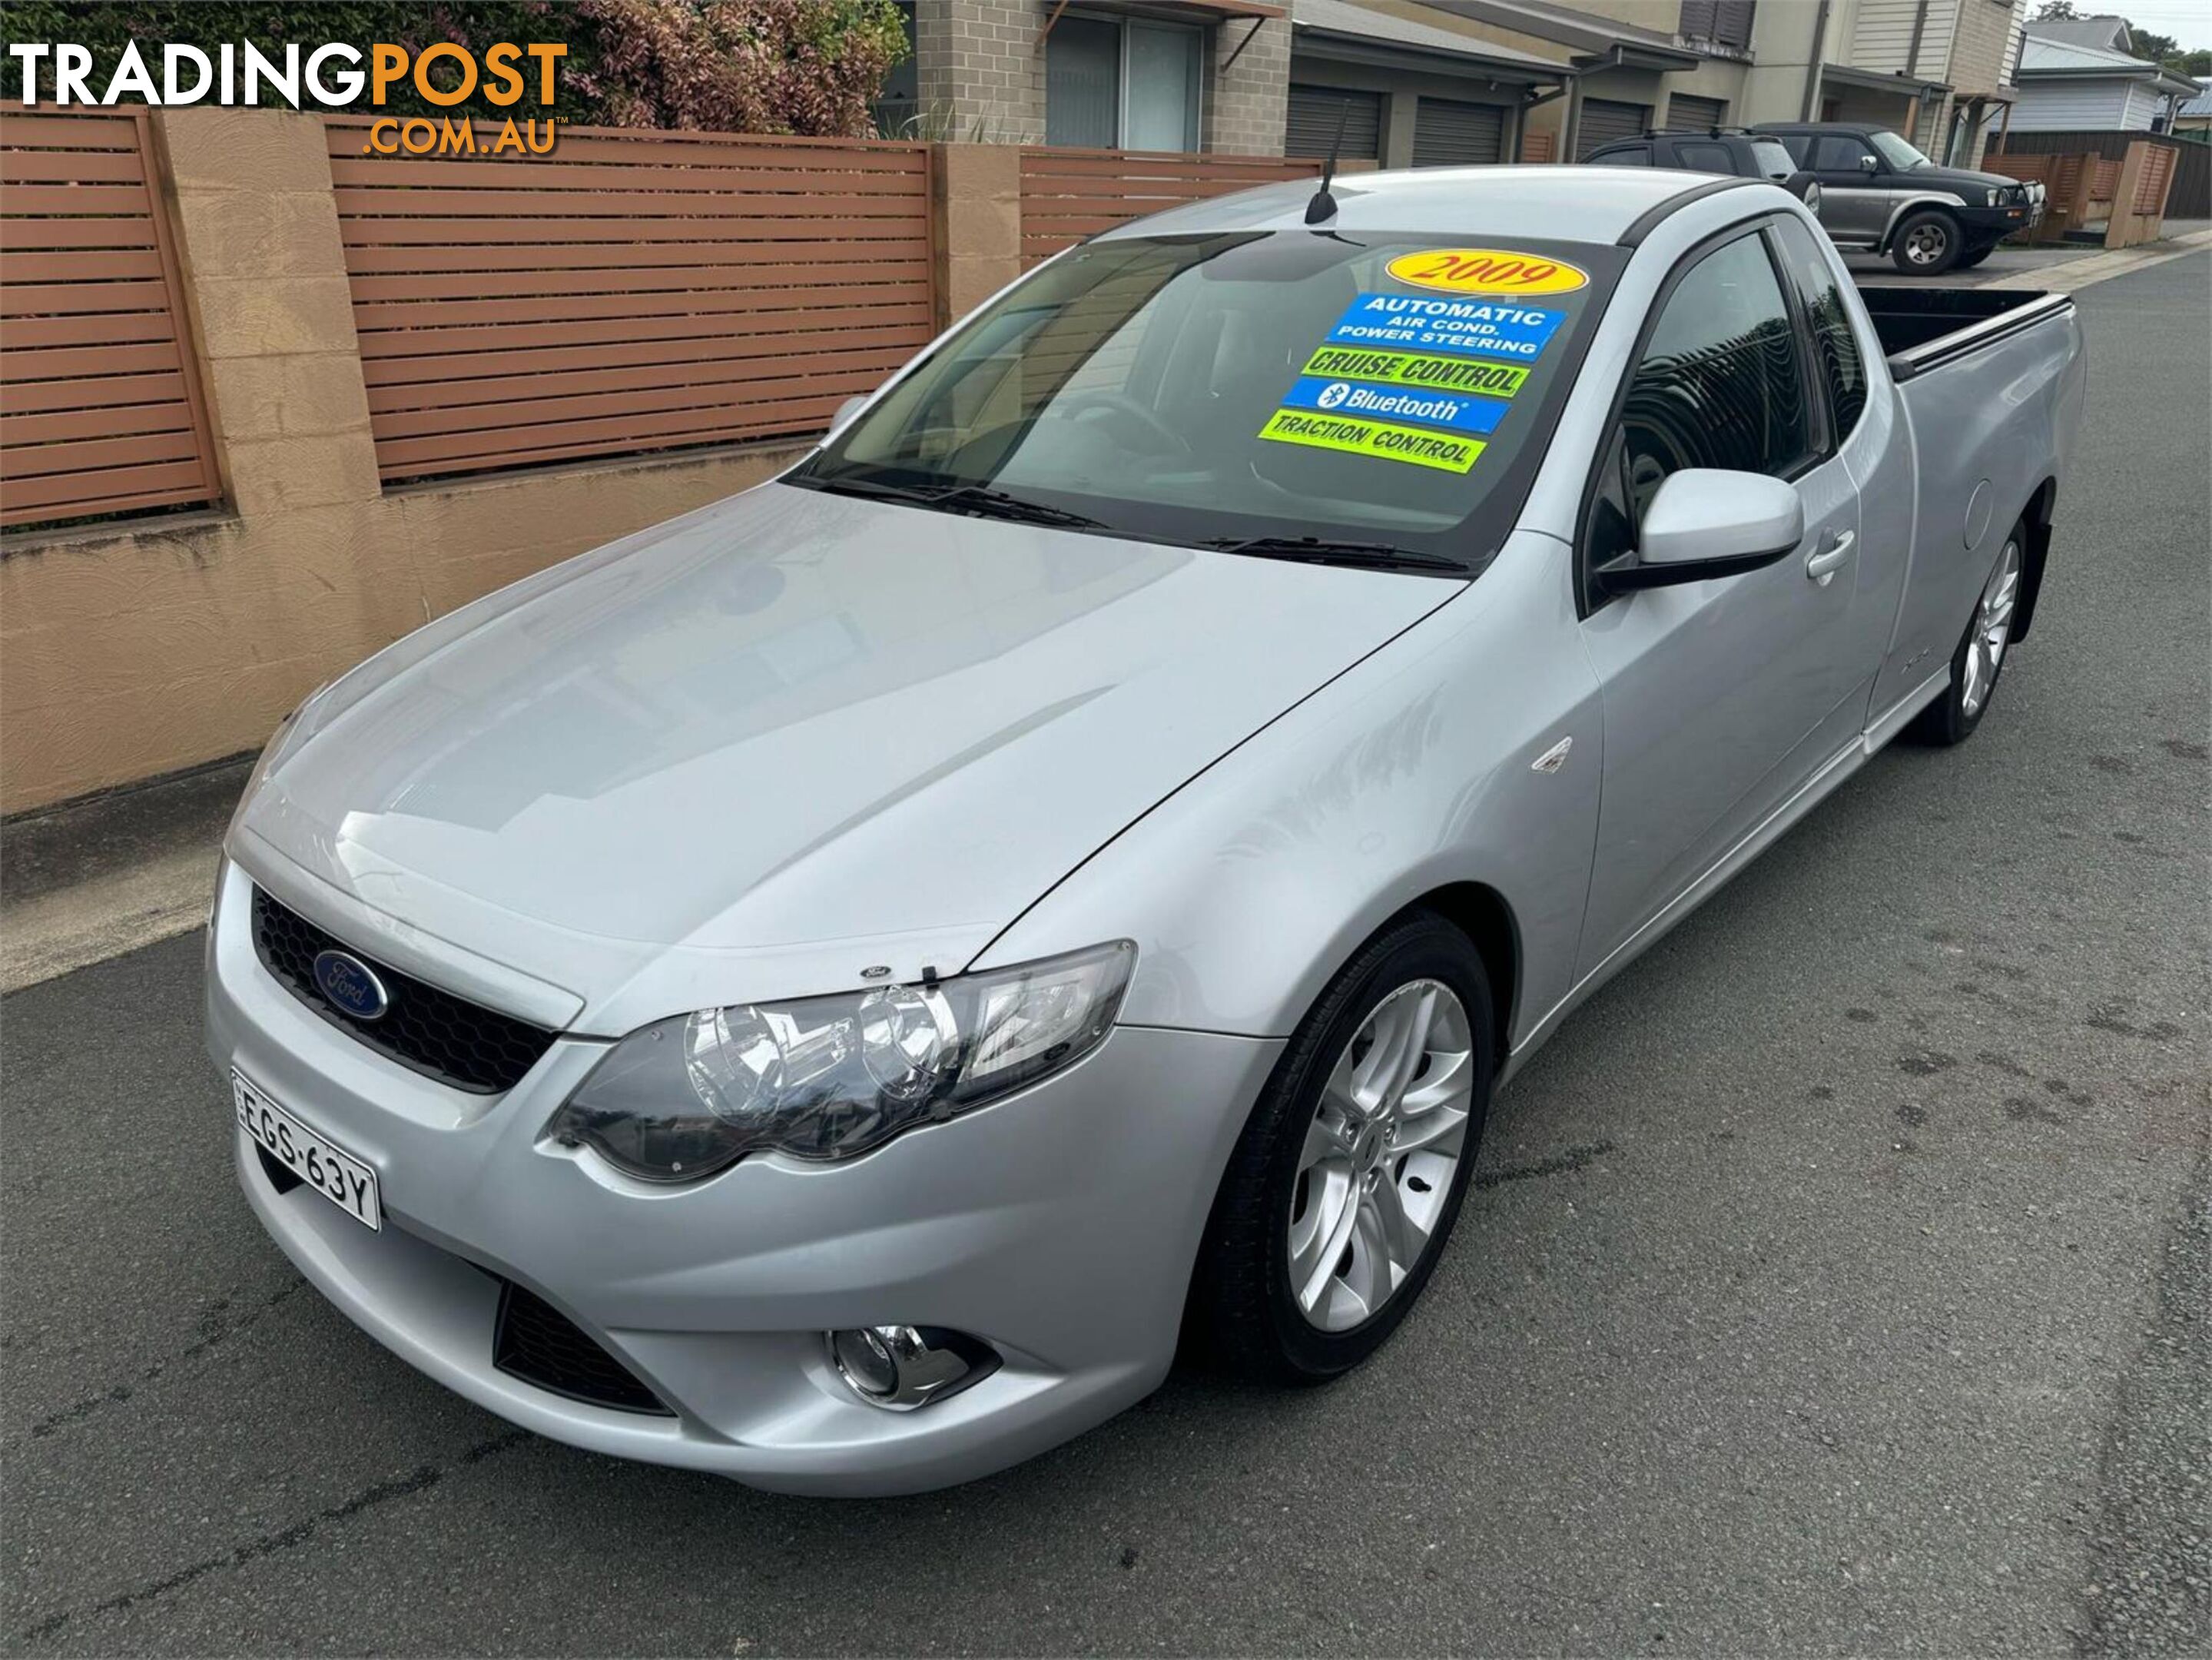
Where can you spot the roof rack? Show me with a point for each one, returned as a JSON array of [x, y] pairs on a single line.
[[1692, 132]]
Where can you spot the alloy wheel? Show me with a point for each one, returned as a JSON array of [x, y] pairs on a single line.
[[1380, 1155], [1992, 630]]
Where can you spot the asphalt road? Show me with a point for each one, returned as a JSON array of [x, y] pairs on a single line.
[[1837, 1281]]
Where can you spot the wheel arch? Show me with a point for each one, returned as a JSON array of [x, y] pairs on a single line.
[[2037, 515], [1482, 912], [1949, 206]]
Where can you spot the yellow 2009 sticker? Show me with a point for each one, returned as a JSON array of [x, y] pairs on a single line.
[[1486, 271]]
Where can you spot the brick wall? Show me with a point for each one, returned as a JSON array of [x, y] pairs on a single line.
[[1244, 105], [979, 70]]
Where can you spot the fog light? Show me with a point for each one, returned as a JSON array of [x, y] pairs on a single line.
[[865, 1360], [903, 1367]]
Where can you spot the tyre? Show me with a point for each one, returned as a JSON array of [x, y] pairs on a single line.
[[1973, 257], [1981, 653], [1926, 243], [1346, 1181]]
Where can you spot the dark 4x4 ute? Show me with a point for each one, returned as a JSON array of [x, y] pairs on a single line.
[[1729, 151], [1881, 195]]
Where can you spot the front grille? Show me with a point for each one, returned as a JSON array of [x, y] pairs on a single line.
[[430, 1031], [538, 1344]]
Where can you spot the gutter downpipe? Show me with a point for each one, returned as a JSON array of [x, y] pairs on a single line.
[[1816, 61], [1571, 138], [1521, 115]]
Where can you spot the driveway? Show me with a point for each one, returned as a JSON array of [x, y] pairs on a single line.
[[1835, 1282]]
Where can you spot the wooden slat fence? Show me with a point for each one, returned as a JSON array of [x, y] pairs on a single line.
[[2190, 196], [100, 409], [1070, 194], [631, 291], [2152, 183]]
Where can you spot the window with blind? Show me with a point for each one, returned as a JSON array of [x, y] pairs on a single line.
[[1115, 83], [1723, 23]]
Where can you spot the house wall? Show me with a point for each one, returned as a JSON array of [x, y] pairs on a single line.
[[1716, 78], [2143, 105], [979, 70], [1877, 108], [1242, 108], [1984, 32], [2056, 106], [1781, 38]]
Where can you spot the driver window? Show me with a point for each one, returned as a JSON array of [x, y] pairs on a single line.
[[1720, 384]]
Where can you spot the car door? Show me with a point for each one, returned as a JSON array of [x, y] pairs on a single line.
[[1864, 434], [1721, 698], [1855, 188]]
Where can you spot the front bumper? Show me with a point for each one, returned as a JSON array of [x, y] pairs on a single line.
[[1993, 224], [1060, 1225]]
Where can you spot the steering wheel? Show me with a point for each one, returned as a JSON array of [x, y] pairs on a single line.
[[1080, 404]]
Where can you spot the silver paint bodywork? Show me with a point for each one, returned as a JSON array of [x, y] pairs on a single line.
[[750, 753]]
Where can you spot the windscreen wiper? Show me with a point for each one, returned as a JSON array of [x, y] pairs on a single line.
[[974, 500], [1365, 556]]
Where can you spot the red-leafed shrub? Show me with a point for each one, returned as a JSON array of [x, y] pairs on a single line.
[[808, 67]]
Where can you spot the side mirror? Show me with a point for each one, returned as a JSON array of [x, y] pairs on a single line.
[[1706, 523], [1869, 162], [845, 411]]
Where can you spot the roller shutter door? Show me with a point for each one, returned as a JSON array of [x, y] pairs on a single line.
[[1448, 134], [1310, 127], [1687, 114], [1604, 122]]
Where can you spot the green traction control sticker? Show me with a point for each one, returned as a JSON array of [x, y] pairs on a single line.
[[1446, 451], [1408, 368]]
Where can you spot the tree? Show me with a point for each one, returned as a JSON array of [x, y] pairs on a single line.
[[2154, 48], [2056, 11]]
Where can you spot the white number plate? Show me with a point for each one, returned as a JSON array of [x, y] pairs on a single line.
[[347, 1182]]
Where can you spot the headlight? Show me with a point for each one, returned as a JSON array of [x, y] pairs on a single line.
[[1995, 195], [832, 1077]]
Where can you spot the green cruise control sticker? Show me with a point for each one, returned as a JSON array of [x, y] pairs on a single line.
[[1408, 368], [1446, 451]]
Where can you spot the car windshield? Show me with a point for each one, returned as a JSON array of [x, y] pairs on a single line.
[[1388, 392], [1773, 158], [1900, 156]]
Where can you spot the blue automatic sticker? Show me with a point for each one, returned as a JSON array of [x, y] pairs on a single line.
[[1481, 328], [1428, 409]]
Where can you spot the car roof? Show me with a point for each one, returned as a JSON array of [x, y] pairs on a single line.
[[1576, 203], [1856, 129]]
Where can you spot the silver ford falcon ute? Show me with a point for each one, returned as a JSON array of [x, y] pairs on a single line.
[[836, 988]]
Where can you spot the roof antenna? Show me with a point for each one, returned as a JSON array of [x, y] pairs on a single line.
[[1323, 206]]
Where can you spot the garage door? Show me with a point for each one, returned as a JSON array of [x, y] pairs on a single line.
[[1605, 121], [1687, 114], [1448, 134], [1310, 128]]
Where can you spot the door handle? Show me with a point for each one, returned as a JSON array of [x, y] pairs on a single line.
[[1823, 566]]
